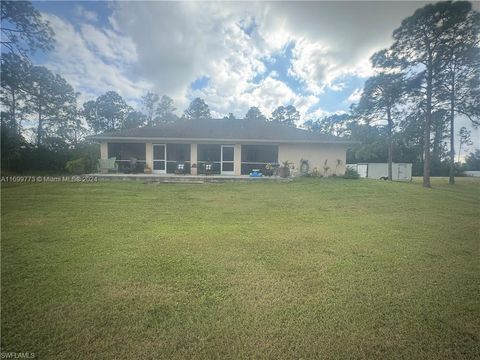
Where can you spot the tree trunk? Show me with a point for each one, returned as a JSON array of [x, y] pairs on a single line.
[[14, 112], [426, 134], [451, 178], [436, 146], [459, 150], [390, 143], [40, 120]]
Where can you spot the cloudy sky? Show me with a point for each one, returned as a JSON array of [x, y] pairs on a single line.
[[313, 55]]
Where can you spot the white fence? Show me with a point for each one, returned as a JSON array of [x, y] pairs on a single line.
[[474, 173], [400, 171]]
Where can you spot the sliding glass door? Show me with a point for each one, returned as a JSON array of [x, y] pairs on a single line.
[[227, 159], [159, 158]]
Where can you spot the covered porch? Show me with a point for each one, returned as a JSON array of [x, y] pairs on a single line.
[[185, 158]]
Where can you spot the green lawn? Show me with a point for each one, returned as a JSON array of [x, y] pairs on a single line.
[[316, 268]]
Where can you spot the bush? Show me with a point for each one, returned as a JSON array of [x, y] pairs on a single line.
[[316, 172], [351, 174], [19, 156], [77, 166], [89, 152]]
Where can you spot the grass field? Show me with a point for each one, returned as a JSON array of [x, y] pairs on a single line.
[[317, 268]]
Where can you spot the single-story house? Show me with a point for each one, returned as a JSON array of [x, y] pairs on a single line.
[[229, 147]]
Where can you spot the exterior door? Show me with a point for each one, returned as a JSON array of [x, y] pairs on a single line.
[[402, 172], [362, 170], [159, 158], [227, 159]]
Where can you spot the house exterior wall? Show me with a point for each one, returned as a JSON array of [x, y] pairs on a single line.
[[193, 158], [149, 155], [237, 158], [104, 150], [316, 154]]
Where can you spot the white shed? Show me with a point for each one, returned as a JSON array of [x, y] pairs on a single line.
[[400, 171]]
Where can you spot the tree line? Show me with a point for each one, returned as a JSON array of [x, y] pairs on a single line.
[[424, 81], [407, 112]]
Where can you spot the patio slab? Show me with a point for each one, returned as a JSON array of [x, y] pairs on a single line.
[[172, 178]]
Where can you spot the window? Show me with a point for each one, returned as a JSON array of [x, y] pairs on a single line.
[[209, 153], [126, 151], [260, 153], [178, 154], [257, 157]]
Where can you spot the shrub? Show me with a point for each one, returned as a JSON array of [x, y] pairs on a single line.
[[351, 174], [89, 152], [284, 170], [77, 166], [316, 173]]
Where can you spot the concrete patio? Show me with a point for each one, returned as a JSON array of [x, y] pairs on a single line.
[[196, 179]]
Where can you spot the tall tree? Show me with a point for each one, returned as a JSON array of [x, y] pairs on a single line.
[[381, 96], [23, 29], [75, 126], [438, 146], [149, 103], [459, 81], [409, 141], [334, 124], [14, 74], [52, 98], [254, 113], [473, 160], [89, 113], [165, 112], [108, 112], [465, 139], [135, 119], [112, 111], [286, 115], [230, 116], [418, 48], [197, 110], [371, 146]]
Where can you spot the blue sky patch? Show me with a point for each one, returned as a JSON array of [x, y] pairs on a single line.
[[200, 83]]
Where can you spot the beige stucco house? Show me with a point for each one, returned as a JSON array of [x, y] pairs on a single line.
[[226, 147]]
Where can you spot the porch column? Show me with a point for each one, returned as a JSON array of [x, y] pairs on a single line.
[[149, 155], [237, 159], [104, 150], [193, 159]]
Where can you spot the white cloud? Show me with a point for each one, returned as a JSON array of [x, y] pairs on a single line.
[[167, 45], [109, 44], [191, 47], [335, 38], [85, 14], [178, 42], [355, 96], [321, 113], [94, 61], [310, 64]]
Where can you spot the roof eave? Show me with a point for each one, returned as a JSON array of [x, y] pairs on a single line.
[[169, 139]]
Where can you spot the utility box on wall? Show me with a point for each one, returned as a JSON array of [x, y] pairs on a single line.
[[400, 171]]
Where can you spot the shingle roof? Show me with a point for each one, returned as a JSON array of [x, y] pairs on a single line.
[[221, 129]]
